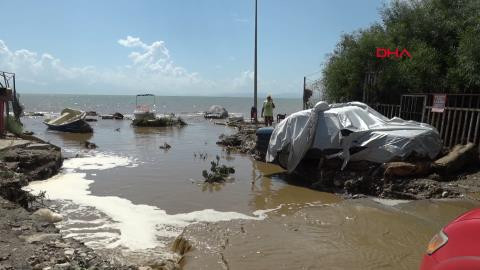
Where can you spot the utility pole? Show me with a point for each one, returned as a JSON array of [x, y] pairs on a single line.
[[255, 68]]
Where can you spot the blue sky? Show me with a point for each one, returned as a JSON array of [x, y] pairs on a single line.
[[182, 47]]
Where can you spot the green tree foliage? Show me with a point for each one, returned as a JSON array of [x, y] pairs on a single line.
[[443, 37]]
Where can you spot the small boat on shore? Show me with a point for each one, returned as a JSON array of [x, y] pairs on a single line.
[[144, 111], [70, 120]]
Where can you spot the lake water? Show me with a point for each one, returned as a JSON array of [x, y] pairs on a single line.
[[131, 198]]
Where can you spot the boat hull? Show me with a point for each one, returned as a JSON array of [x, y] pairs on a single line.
[[79, 126]]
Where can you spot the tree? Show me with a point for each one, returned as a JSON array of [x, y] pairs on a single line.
[[443, 37]]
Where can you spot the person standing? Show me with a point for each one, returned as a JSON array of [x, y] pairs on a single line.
[[267, 110]]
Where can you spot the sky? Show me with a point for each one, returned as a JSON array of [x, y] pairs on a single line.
[[173, 47]]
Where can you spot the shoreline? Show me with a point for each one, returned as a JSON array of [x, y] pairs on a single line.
[[30, 239], [42, 239]]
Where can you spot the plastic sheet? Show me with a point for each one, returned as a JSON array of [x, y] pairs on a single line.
[[347, 125]]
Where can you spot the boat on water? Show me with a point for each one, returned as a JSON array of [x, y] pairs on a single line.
[[216, 112], [70, 120], [144, 112]]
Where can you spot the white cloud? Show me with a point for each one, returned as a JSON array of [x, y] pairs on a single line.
[[150, 68]]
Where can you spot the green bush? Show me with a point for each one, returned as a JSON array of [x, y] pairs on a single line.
[[14, 125], [442, 37], [219, 173]]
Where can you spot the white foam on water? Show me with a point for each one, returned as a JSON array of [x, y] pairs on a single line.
[[263, 213], [389, 202], [99, 161], [133, 226]]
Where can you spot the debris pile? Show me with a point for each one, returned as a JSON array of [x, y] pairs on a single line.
[[159, 122], [243, 141], [453, 175]]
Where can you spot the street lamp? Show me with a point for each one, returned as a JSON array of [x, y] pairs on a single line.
[[255, 69]]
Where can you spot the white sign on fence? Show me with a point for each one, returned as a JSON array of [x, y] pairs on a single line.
[[439, 103]]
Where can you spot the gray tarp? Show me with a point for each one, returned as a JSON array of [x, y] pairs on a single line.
[[320, 128]]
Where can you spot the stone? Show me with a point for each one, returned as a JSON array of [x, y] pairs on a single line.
[[165, 146], [181, 245], [39, 146], [40, 237], [59, 266], [90, 145]]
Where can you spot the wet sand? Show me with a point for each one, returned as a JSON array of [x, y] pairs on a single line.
[[296, 227]]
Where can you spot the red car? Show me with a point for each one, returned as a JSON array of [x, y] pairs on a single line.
[[456, 246]]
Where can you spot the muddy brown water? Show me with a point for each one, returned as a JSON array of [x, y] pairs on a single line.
[[305, 229]]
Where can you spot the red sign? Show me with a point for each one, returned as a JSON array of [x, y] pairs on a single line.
[[439, 101], [385, 52]]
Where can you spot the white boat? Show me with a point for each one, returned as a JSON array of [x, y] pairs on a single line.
[[144, 111], [70, 120]]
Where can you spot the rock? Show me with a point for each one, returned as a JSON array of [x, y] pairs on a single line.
[[35, 164], [165, 146], [404, 169], [232, 140], [46, 215], [90, 145], [59, 266], [40, 146], [460, 157], [181, 245], [107, 116], [40, 237]]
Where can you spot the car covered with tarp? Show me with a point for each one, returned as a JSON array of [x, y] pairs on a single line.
[[352, 132]]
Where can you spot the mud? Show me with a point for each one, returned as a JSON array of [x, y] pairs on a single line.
[[353, 234], [243, 141]]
